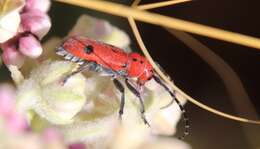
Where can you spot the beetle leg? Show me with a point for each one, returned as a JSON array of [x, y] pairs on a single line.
[[121, 89], [137, 93], [82, 67]]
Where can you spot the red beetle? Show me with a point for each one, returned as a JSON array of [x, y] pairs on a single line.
[[111, 61]]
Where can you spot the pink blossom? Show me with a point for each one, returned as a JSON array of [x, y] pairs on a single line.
[[6, 99], [34, 25], [77, 146], [30, 46], [11, 56], [14, 121], [42, 5], [35, 22], [50, 135]]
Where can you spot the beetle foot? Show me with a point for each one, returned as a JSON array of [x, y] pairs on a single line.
[[120, 113], [144, 119], [64, 80]]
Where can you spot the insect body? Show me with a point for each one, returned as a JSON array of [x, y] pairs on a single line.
[[96, 56]]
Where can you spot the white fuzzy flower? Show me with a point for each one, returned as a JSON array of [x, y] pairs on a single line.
[[101, 30], [44, 93], [98, 120]]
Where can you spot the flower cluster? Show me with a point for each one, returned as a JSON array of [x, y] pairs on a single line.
[[15, 130], [14, 121], [83, 112], [22, 25]]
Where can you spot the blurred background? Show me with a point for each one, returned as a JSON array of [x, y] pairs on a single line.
[[189, 71]]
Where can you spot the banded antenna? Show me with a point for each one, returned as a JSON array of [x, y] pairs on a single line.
[[184, 113]]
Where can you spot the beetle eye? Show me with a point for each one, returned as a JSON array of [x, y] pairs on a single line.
[[89, 49]]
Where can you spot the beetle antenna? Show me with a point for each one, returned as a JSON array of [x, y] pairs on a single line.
[[184, 113]]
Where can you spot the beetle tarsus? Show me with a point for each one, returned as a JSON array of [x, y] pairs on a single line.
[[81, 68]]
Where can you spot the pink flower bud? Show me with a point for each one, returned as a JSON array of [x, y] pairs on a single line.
[[30, 46], [51, 135], [11, 56], [77, 146], [6, 99], [36, 22], [16, 122], [42, 5]]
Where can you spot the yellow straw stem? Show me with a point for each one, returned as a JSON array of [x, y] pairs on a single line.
[[169, 22], [3, 6], [161, 4], [165, 78], [135, 3]]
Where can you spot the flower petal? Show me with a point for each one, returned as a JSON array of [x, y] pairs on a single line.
[[9, 25], [164, 143], [91, 132], [36, 22], [30, 46], [100, 29], [77, 146], [163, 121], [14, 121], [42, 5], [11, 56], [44, 94], [6, 99], [9, 18]]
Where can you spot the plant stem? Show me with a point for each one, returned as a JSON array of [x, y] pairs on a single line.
[[169, 22]]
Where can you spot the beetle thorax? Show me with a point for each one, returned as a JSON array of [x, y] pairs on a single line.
[[139, 67]]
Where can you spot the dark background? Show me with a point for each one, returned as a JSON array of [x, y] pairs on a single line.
[[187, 69]]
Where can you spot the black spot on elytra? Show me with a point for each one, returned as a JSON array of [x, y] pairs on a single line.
[[89, 49], [134, 59], [114, 50], [141, 62]]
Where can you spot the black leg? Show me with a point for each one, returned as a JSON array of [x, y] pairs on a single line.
[[121, 89], [83, 67], [137, 93]]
